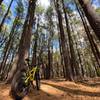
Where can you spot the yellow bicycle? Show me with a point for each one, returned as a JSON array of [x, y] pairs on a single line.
[[33, 74], [28, 77]]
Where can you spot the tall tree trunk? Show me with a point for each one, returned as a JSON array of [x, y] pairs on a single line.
[[3, 38], [74, 65], [78, 53], [11, 62], [48, 69], [8, 46], [92, 43], [52, 74], [62, 62], [63, 43], [34, 57], [91, 15], [5, 16], [3, 41], [24, 44], [50, 58]]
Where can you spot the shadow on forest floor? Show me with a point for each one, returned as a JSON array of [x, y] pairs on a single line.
[[74, 91], [92, 84], [40, 95], [58, 90]]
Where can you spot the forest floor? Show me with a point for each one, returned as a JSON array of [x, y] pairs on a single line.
[[60, 90]]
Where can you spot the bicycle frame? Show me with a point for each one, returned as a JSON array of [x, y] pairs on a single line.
[[31, 75]]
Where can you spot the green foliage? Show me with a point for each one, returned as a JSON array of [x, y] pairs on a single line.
[[5, 30], [68, 10], [98, 71], [2, 9], [49, 17], [9, 15], [98, 10], [39, 9], [19, 13], [19, 8], [56, 56], [49, 11], [67, 1]]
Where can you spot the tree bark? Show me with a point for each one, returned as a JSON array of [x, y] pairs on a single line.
[[5, 16], [24, 44], [74, 65], [24, 47], [92, 43], [63, 43], [93, 18], [8, 46], [34, 57], [62, 62], [48, 69]]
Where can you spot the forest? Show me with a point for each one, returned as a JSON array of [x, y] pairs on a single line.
[[59, 39]]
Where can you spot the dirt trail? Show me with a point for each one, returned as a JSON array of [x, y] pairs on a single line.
[[59, 90]]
